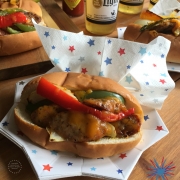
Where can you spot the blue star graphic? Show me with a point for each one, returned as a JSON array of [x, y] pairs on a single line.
[[141, 61], [142, 51], [162, 55], [155, 100], [67, 70], [69, 163], [81, 59], [53, 152], [34, 151], [21, 83], [147, 83], [56, 61], [93, 169], [46, 34], [53, 47], [91, 42], [128, 79], [5, 123], [101, 73], [146, 117], [128, 67], [164, 74], [108, 61], [65, 38], [119, 171], [109, 41]]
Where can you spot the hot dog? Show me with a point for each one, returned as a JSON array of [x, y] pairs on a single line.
[[90, 116], [169, 28], [17, 33]]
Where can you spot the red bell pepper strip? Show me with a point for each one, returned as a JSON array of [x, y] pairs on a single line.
[[10, 19], [61, 98]]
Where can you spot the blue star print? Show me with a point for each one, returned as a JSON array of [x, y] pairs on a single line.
[[109, 41], [56, 61], [146, 117], [147, 83], [101, 73], [91, 42], [141, 61], [108, 61], [5, 123], [142, 51], [163, 74], [119, 171], [128, 67], [128, 79], [67, 69], [93, 169], [81, 59], [53, 47], [53, 152], [46, 34], [34, 151], [162, 55], [69, 163], [65, 38]]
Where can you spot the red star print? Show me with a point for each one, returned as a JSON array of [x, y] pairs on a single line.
[[47, 167], [99, 52], [159, 128], [122, 156], [154, 65], [162, 81], [121, 51], [20, 133], [71, 48], [84, 70]]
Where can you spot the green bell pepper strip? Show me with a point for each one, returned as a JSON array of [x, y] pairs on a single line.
[[24, 27], [12, 31], [32, 107], [61, 98], [4, 12], [98, 94]]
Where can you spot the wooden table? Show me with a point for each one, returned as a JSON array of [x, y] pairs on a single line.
[[168, 147]]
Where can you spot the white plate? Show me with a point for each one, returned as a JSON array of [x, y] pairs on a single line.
[[52, 164]]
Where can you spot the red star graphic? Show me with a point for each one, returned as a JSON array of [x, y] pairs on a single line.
[[121, 51], [162, 81], [47, 167], [20, 133], [71, 48], [99, 52], [159, 128], [154, 65], [84, 70], [122, 156]]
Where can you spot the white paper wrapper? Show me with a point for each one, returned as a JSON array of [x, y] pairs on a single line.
[[59, 165], [141, 68], [166, 7]]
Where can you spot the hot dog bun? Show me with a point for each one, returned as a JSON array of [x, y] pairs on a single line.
[[16, 43], [76, 81], [133, 33]]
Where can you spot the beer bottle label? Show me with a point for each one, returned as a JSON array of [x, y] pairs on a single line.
[[101, 11]]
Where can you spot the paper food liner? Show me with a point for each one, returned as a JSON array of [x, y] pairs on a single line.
[[141, 68]]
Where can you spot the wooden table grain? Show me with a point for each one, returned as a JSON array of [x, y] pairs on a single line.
[[167, 148]]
